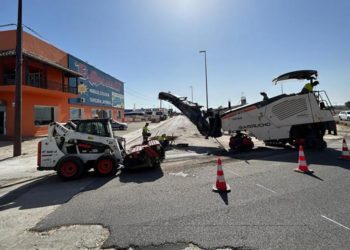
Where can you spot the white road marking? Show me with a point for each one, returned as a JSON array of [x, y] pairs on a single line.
[[232, 172], [182, 174], [266, 188], [335, 222]]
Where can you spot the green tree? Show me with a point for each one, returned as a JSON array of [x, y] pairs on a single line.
[[347, 104]]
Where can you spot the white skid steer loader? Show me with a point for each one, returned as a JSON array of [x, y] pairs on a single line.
[[72, 149]]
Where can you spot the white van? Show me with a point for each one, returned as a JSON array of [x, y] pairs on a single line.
[[344, 115]]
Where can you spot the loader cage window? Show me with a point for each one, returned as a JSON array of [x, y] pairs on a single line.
[[93, 128]]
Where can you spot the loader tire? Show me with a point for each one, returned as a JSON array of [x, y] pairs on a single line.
[[70, 168], [106, 166], [156, 163]]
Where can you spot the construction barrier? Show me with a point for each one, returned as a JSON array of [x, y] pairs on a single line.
[[220, 185], [302, 165], [345, 154]]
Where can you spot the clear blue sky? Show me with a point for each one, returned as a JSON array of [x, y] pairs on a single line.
[[153, 45]]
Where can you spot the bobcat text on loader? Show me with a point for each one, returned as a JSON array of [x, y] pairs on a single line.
[[72, 149], [297, 119]]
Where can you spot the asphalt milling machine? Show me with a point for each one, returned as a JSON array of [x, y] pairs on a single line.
[[295, 119], [72, 149]]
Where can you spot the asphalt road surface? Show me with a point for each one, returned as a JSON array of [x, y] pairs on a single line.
[[270, 206]]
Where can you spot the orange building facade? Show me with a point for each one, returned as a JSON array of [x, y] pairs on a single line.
[[56, 87]]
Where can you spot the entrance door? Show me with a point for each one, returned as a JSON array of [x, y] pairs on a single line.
[[2, 123]]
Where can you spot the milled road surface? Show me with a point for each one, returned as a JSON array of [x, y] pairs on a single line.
[[270, 206]]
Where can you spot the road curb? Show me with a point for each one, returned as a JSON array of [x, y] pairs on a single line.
[[25, 180]]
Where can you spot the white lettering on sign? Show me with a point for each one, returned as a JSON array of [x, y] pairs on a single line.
[[99, 101], [97, 92]]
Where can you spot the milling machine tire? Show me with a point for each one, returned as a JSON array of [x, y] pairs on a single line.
[[106, 166], [70, 168], [322, 145]]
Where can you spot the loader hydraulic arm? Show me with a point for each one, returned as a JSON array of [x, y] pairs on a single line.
[[193, 112], [57, 129]]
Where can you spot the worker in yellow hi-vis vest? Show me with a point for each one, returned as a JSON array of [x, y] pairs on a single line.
[[145, 134], [309, 87]]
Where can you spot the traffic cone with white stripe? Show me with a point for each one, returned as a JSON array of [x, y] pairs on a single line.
[[302, 168], [345, 154], [220, 185]]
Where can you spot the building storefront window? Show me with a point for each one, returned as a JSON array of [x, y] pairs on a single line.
[[34, 79], [8, 76], [94, 113], [100, 113], [43, 115], [2, 119], [76, 113], [109, 114]]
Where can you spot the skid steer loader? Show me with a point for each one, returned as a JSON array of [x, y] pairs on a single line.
[[72, 149]]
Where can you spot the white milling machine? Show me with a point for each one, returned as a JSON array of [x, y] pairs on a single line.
[[297, 119]]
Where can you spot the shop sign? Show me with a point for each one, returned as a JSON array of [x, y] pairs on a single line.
[[95, 87]]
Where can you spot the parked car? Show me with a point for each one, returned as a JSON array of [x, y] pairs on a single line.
[[119, 125], [344, 115]]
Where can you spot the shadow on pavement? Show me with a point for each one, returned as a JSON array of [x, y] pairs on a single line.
[[199, 149], [315, 176], [141, 175], [5, 143], [50, 191], [224, 197], [328, 157], [7, 158]]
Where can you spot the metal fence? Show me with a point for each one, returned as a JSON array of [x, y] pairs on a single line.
[[9, 79]]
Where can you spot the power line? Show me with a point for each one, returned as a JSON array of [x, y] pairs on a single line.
[[139, 97], [138, 93], [36, 33], [9, 24], [27, 27]]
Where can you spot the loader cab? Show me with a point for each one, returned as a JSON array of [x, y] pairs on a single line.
[[99, 127]]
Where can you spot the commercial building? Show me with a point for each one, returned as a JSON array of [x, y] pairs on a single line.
[[56, 87]]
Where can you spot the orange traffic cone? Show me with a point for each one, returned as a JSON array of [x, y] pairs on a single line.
[[302, 168], [345, 154], [221, 185]]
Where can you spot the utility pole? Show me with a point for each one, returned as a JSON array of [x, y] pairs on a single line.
[[191, 93], [17, 145]]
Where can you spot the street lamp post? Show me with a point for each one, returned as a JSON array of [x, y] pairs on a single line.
[[206, 77]]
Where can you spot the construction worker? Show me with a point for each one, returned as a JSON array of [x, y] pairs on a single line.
[[145, 134], [265, 97], [309, 87], [163, 140]]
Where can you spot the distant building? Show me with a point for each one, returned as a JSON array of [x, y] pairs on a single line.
[[56, 87], [149, 114]]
